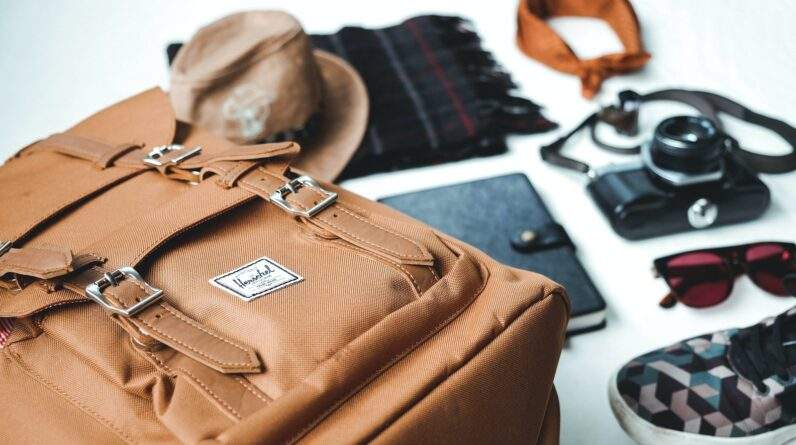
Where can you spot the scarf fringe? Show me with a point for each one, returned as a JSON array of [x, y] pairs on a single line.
[[496, 92]]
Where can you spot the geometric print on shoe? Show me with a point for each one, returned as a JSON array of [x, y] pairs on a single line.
[[691, 387]]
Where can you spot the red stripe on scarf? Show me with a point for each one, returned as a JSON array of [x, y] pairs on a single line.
[[429, 54]]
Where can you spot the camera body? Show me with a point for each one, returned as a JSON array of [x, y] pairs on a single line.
[[688, 179]]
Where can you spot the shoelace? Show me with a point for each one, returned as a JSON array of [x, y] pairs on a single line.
[[758, 352]]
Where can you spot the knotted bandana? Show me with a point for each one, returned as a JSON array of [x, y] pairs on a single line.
[[539, 41]]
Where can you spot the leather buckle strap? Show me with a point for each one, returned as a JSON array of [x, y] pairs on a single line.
[[141, 310], [95, 291], [278, 197], [42, 262], [624, 119], [327, 211]]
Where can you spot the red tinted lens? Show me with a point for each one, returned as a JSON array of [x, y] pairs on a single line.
[[768, 265], [699, 279]]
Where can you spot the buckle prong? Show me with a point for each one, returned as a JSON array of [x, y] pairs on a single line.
[[95, 291], [279, 197]]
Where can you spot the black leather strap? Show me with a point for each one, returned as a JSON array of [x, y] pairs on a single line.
[[623, 117], [759, 162], [552, 152], [548, 236]]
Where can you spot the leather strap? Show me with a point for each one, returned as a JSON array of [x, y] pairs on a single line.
[[551, 153], [159, 323], [759, 162], [623, 117], [52, 201], [38, 262], [102, 155], [343, 221], [19, 267], [167, 325], [339, 219], [539, 41]]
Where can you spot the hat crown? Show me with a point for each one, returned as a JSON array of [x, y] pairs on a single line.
[[256, 67]]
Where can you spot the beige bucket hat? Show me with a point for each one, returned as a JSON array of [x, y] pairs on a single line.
[[253, 76]]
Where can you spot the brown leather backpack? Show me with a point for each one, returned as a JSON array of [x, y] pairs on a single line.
[[160, 285]]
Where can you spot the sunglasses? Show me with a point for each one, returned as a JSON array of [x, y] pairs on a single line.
[[704, 277]]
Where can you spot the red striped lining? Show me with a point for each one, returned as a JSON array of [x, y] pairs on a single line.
[[6, 326]]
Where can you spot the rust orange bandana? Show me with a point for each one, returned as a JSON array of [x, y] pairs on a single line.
[[539, 41]]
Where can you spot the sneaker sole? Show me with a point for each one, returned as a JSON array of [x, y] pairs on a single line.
[[646, 433]]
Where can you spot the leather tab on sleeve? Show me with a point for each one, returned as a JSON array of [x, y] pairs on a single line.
[[38, 262], [548, 236]]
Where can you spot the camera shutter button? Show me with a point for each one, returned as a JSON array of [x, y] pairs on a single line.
[[702, 213]]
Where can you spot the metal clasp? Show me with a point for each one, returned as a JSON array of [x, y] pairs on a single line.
[[293, 186], [95, 291], [155, 157]]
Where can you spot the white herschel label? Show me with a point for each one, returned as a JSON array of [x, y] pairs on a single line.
[[258, 278]]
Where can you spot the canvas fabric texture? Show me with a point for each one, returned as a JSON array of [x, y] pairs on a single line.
[[396, 334]]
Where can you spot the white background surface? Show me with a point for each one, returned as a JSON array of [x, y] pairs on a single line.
[[62, 61]]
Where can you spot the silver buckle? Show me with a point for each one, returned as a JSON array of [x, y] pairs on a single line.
[[293, 186], [154, 156], [95, 291]]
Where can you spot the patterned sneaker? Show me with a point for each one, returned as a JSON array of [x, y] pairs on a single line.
[[730, 387]]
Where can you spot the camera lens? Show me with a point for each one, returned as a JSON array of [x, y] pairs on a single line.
[[689, 144]]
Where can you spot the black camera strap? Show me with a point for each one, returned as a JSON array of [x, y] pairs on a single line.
[[623, 117]]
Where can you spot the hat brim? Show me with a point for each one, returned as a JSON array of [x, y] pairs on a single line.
[[342, 120]]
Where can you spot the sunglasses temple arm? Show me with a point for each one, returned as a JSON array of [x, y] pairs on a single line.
[[789, 283], [668, 300]]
